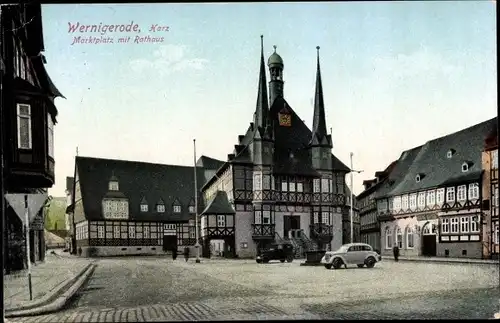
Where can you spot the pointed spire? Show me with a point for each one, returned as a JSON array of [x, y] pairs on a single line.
[[262, 108], [319, 131]]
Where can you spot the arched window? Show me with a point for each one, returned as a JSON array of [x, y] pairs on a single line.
[[399, 238], [409, 238], [388, 238], [427, 229]]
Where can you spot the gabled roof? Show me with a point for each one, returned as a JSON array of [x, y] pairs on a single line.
[[380, 183], [219, 205], [138, 181], [209, 163], [431, 161]]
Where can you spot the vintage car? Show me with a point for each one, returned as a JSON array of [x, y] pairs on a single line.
[[276, 251], [360, 254]]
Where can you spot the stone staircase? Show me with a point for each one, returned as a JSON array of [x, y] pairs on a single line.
[[301, 243]]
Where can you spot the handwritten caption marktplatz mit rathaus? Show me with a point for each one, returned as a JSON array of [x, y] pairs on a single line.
[[106, 33]]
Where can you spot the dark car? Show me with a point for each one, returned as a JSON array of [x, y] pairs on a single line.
[[276, 251]]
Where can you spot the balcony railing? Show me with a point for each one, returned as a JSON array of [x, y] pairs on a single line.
[[321, 229], [263, 230], [291, 197]]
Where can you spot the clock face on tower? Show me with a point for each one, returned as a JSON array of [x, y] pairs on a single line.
[[285, 118]]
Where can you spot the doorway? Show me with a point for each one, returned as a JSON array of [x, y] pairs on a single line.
[[169, 242], [429, 240], [290, 222]]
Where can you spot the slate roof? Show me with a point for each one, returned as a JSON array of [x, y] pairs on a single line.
[[209, 163], [219, 205], [156, 183], [380, 183], [431, 161]]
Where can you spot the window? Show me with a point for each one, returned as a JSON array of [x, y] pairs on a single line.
[[431, 198], [404, 202], [465, 167], [266, 182], [316, 185], [494, 159], [116, 232], [300, 187], [417, 178], [421, 199], [413, 201], [464, 224], [496, 233], [409, 238], [474, 223], [177, 209], [397, 203], [440, 196], [291, 187], [284, 186], [113, 186], [454, 225], [160, 208], [325, 185], [325, 217], [266, 217], [100, 232], [144, 207], [399, 237], [123, 209], [388, 238], [221, 220], [131, 232], [146, 232], [494, 196], [316, 217], [462, 193], [445, 225], [450, 194], [473, 191], [50, 136], [449, 154], [257, 182], [257, 217], [191, 209], [24, 140]]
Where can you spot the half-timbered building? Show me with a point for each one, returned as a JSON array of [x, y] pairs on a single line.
[[431, 202], [132, 208], [367, 204], [280, 177], [27, 118], [491, 233], [346, 219]]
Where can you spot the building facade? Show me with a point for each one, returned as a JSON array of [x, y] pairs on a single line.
[[133, 208], [27, 115], [346, 219], [431, 203], [281, 177], [491, 234], [367, 205]]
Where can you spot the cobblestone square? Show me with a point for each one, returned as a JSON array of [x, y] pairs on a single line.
[[159, 289]]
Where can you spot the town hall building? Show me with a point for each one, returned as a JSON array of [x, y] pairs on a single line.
[[282, 182]]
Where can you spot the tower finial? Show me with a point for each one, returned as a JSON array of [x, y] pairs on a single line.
[[274, 48], [262, 42], [317, 48]]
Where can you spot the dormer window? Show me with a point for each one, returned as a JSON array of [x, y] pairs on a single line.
[[191, 207], [160, 207], [419, 177], [113, 185], [144, 205], [177, 209], [450, 153], [465, 166]]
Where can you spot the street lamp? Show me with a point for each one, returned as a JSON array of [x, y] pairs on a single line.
[[351, 214], [197, 244]]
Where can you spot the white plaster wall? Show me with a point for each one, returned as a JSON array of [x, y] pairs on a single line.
[[337, 231], [402, 223], [279, 224], [243, 227], [129, 250]]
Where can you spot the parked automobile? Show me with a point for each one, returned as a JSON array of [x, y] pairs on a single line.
[[276, 251], [360, 254]]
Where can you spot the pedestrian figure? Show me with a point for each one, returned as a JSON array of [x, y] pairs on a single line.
[[174, 253], [395, 250], [186, 253], [79, 251]]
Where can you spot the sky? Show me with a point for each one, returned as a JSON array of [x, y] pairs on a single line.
[[395, 75]]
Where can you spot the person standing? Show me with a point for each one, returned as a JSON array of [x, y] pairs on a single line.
[[186, 253], [174, 253], [395, 251]]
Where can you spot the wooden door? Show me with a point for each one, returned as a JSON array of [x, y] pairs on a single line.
[[429, 245]]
